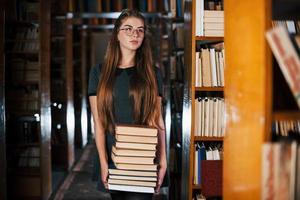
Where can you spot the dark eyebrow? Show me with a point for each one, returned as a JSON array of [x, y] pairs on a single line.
[[132, 26]]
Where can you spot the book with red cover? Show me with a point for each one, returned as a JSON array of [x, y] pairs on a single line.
[[211, 173]]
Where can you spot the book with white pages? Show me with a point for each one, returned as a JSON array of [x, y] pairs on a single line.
[[130, 152], [136, 139], [136, 167], [132, 160], [136, 146], [132, 173], [131, 188], [131, 182], [133, 178]]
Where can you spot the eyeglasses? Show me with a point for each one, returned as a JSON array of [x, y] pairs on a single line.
[[130, 31]]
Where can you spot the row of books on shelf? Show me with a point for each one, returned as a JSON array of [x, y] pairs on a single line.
[[26, 33], [24, 105], [177, 8], [29, 157], [291, 25], [213, 4], [286, 49], [280, 170], [20, 64], [209, 21], [177, 68], [27, 10], [134, 158], [287, 128], [207, 164], [26, 46], [25, 75], [178, 32], [209, 117], [118, 5], [23, 93], [210, 65]]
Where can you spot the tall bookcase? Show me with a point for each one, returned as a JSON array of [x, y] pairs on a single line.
[[251, 92], [2, 106], [27, 93], [193, 91], [80, 85], [173, 65], [62, 94]]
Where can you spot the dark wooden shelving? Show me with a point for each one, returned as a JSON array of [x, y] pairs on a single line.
[[209, 89], [203, 138], [286, 115], [197, 187]]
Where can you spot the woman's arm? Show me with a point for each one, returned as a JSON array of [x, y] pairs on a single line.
[[100, 140], [161, 150]]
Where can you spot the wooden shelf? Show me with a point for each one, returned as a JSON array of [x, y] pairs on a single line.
[[23, 52], [197, 187], [23, 99], [209, 89], [27, 171], [286, 115], [33, 144], [204, 38], [24, 112], [26, 83], [23, 40], [203, 138]]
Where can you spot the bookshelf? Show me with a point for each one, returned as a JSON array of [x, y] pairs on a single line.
[[80, 85], [62, 87], [27, 93], [2, 106], [172, 66], [195, 89]]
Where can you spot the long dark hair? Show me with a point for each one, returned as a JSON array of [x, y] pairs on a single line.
[[143, 87]]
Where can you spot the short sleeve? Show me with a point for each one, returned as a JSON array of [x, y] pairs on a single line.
[[159, 81], [93, 80]]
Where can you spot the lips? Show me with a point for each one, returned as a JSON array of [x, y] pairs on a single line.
[[134, 42]]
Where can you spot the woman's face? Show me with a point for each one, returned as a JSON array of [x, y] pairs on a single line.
[[131, 33]]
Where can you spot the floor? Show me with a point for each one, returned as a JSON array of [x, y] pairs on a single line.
[[79, 185]]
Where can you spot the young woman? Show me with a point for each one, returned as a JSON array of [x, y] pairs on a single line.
[[126, 89]]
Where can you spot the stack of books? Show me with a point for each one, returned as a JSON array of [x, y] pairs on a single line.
[[133, 155], [213, 23]]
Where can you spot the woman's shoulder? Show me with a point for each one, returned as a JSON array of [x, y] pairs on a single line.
[[96, 69], [94, 79]]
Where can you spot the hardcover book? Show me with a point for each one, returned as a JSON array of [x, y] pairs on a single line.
[[287, 58]]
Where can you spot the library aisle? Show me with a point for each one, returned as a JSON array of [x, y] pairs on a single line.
[[79, 184]]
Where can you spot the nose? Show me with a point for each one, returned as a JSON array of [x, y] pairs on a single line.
[[135, 32]]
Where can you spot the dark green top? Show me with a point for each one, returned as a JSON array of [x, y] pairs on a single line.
[[123, 108]]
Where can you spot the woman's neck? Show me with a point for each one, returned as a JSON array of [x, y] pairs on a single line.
[[128, 59]]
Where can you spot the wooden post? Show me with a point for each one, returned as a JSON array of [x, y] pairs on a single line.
[[69, 90], [2, 107], [45, 101], [248, 96]]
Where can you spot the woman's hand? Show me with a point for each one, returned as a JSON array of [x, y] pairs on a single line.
[[161, 174], [104, 175]]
